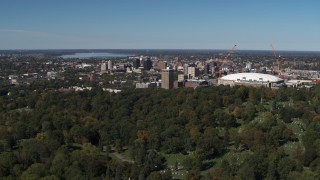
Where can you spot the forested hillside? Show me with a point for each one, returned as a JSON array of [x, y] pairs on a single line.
[[207, 133]]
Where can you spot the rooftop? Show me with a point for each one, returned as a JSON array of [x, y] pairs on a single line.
[[251, 77]]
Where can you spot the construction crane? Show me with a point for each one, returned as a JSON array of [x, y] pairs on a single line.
[[225, 59], [277, 57]]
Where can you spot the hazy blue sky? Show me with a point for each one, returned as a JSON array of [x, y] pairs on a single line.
[[179, 24]]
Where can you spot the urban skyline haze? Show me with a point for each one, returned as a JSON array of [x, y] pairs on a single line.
[[165, 24]]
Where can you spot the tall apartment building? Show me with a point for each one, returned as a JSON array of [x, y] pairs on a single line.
[[103, 67], [147, 64], [185, 69], [207, 69], [110, 65], [161, 65], [167, 78], [136, 63], [182, 77], [193, 72]]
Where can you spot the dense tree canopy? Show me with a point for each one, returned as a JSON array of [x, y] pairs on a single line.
[[82, 135]]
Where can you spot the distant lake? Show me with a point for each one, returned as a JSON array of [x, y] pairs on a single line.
[[94, 55]]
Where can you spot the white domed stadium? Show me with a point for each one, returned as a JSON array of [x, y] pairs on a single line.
[[250, 79]]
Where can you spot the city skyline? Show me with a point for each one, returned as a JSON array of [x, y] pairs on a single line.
[[35, 24]]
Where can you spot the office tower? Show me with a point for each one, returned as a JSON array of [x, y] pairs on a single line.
[[182, 77], [207, 69], [147, 64], [167, 78], [214, 69], [110, 65], [141, 61], [162, 65], [136, 63], [185, 69], [193, 72], [103, 67]]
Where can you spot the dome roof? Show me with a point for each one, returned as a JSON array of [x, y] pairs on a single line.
[[251, 77]]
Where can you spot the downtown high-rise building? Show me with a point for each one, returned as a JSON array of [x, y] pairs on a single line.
[[161, 65], [207, 69], [193, 72], [182, 77], [214, 69], [147, 64], [136, 63], [185, 69], [167, 78], [110, 65], [103, 67]]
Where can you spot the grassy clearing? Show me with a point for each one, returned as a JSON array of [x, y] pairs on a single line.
[[126, 154], [171, 160], [236, 158], [113, 156], [20, 110], [297, 127], [268, 106], [180, 174], [289, 147]]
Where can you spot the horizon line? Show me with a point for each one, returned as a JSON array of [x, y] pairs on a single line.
[[208, 49]]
